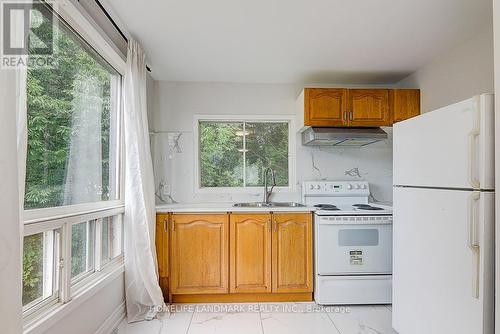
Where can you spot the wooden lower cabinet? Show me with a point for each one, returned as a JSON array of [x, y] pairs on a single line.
[[292, 252], [237, 257], [199, 253], [250, 253], [162, 221]]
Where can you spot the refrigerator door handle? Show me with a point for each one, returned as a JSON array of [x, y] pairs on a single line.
[[473, 241], [474, 182]]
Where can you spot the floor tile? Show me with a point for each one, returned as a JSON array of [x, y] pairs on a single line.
[[266, 318], [295, 318], [142, 327], [176, 322], [225, 323], [363, 320]]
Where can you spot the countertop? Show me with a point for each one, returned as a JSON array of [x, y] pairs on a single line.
[[225, 207]]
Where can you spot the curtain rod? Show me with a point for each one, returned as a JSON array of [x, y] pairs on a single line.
[[115, 25]]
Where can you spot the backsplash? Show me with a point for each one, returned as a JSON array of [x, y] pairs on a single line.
[[173, 106], [174, 169]]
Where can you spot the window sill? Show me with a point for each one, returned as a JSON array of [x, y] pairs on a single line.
[[43, 320], [242, 190]]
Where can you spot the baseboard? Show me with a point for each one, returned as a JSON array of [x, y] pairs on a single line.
[[112, 322], [243, 297]]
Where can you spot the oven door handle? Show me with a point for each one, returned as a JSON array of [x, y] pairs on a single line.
[[356, 222]]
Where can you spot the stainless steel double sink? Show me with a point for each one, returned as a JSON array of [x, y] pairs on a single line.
[[268, 205]]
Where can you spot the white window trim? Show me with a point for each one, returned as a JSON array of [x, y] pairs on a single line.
[[40, 322], [68, 288], [248, 118], [74, 14]]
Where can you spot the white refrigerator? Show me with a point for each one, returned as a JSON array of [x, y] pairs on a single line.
[[443, 228]]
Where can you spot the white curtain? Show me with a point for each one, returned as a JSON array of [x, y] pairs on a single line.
[[142, 291], [13, 136], [83, 183]]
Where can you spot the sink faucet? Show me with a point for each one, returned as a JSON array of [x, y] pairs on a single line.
[[269, 192]]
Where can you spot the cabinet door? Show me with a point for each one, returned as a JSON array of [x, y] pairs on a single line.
[[292, 252], [325, 106], [369, 107], [162, 221], [199, 253], [405, 103], [250, 253]]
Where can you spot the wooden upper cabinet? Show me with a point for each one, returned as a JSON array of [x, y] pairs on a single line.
[[162, 221], [250, 253], [405, 103], [199, 253], [369, 107], [325, 106], [292, 252], [339, 107]]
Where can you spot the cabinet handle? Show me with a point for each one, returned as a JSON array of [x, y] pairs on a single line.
[[350, 115], [270, 224], [473, 241], [275, 226], [165, 224], [173, 225], [474, 182], [345, 115]]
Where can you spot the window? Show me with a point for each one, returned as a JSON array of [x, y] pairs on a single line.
[[111, 238], [73, 202], [40, 269], [72, 126], [235, 153], [82, 249]]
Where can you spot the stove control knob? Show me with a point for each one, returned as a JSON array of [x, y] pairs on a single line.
[[363, 186], [349, 186], [311, 186], [358, 186], [318, 187]]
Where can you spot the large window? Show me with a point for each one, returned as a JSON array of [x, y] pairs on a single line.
[[73, 205], [72, 127], [235, 153]]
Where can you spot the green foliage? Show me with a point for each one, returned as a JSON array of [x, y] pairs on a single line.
[[78, 248], [222, 153], [221, 162], [32, 267], [50, 96], [51, 92], [267, 145]]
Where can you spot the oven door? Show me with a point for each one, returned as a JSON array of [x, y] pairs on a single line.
[[353, 245]]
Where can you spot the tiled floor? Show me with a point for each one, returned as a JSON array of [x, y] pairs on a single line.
[[267, 318]]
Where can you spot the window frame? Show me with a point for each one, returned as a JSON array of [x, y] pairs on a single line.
[[42, 314], [290, 119]]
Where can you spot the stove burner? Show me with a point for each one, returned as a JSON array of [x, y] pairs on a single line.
[[328, 207], [366, 207]]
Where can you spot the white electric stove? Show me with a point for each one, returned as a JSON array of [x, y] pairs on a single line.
[[353, 244]]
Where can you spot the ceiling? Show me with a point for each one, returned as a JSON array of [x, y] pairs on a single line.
[[297, 41]]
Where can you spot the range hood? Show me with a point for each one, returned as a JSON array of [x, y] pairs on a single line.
[[356, 137]]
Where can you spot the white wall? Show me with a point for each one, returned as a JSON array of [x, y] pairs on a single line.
[[92, 313], [10, 234], [496, 24], [176, 103], [457, 75]]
